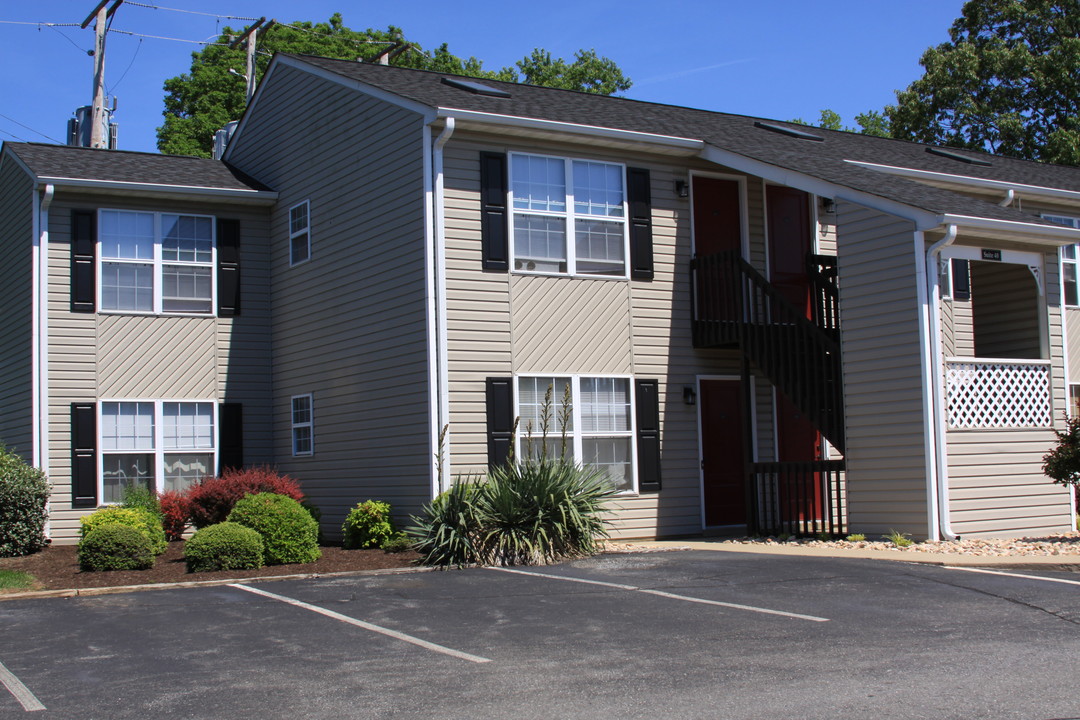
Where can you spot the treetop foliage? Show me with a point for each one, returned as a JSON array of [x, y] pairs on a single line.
[[200, 102]]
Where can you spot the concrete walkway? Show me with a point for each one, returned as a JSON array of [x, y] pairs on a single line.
[[1068, 563]]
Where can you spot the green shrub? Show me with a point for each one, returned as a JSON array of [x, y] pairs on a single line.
[[139, 518], [899, 539], [539, 510], [397, 543], [24, 494], [140, 496], [112, 546], [368, 525], [290, 534], [225, 546], [1062, 464]]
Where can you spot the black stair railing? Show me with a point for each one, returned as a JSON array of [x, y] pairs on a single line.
[[735, 305], [824, 292], [798, 498]]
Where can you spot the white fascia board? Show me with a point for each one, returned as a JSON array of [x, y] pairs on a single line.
[[516, 121], [970, 182], [1033, 233], [261, 197], [923, 219]]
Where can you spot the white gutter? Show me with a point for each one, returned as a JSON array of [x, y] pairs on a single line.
[[40, 335], [443, 417], [939, 478], [1053, 234], [267, 197], [596, 131], [968, 181]]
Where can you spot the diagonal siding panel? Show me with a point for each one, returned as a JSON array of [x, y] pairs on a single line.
[[151, 357]]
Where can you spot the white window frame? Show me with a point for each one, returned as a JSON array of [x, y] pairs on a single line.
[[1074, 261], [158, 451], [293, 234], [575, 436], [570, 216], [158, 263], [310, 424]]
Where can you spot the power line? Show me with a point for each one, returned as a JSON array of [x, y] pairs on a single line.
[[46, 24], [28, 128], [190, 12], [159, 37], [124, 74]]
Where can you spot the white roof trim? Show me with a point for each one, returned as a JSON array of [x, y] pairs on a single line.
[[236, 193], [1048, 234], [571, 128], [967, 180], [923, 219]]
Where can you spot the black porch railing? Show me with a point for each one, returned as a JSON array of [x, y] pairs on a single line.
[[797, 498], [734, 305], [824, 293]]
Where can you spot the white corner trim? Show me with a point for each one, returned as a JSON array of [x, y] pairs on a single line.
[[571, 128], [968, 181]]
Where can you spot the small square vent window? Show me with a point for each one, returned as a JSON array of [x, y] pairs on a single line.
[[953, 155], [789, 131], [474, 87]]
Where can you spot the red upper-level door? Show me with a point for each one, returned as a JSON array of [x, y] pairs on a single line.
[[790, 240], [717, 215]]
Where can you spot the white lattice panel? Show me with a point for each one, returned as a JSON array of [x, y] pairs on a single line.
[[998, 395]]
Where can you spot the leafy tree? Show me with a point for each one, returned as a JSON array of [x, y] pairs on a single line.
[[870, 122], [201, 101], [1008, 81]]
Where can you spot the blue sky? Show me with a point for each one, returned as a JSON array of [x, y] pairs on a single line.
[[770, 58]]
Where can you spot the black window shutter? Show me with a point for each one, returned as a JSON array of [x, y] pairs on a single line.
[[84, 455], [500, 419], [228, 268], [231, 435], [493, 211], [83, 242], [648, 434], [639, 196], [961, 280]]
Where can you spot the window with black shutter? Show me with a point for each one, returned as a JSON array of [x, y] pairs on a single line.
[[84, 455], [500, 419]]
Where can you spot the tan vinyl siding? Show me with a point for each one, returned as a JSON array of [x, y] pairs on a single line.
[[958, 332], [1072, 334], [16, 309], [1005, 311], [350, 324], [883, 385], [95, 356], [996, 484]]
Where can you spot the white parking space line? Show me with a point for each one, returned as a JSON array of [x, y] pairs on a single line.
[[20, 691], [365, 625], [1015, 575], [673, 596]]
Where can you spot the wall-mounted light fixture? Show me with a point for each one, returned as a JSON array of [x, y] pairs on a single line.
[[688, 395], [829, 205], [682, 188]]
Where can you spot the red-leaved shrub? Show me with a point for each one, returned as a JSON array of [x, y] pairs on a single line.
[[175, 513], [212, 499]]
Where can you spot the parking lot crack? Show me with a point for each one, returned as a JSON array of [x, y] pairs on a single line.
[[1013, 600]]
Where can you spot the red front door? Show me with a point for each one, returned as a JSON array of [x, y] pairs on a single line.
[[717, 216], [790, 235], [722, 452], [797, 441]]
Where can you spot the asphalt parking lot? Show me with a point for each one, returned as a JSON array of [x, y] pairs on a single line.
[[679, 634]]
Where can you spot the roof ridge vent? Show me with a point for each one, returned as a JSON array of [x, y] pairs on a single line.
[[474, 87], [953, 155], [789, 131]]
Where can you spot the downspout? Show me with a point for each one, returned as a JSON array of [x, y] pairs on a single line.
[[443, 366], [937, 365], [40, 338], [1010, 195]]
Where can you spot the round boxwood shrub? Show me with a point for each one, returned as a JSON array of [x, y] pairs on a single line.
[[112, 546], [368, 525], [24, 492], [290, 534], [225, 546], [139, 518]]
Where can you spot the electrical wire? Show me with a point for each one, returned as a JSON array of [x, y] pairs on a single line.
[[112, 90], [47, 24], [159, 37], [190, 12], [28, 128]]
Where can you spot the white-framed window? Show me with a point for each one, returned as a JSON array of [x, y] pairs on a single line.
[[160, 444], [569, 216], [596, 419], [300, 233], [303, 425], [1070, 256], [156, 262]]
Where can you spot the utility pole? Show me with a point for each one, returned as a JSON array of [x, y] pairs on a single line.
[[98, 138], [251, 35]]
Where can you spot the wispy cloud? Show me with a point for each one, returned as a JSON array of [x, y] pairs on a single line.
[[690, 71]]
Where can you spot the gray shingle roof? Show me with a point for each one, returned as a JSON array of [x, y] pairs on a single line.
[[79, 163], [735, 133]]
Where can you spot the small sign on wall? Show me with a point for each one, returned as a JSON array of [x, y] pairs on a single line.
[[994, 255]]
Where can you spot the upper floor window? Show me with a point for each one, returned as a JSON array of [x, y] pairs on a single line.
[[156, 262], [569, 216], [299, 233], [1070, 255]]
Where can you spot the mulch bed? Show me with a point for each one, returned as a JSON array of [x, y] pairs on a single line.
[[56, 567]]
